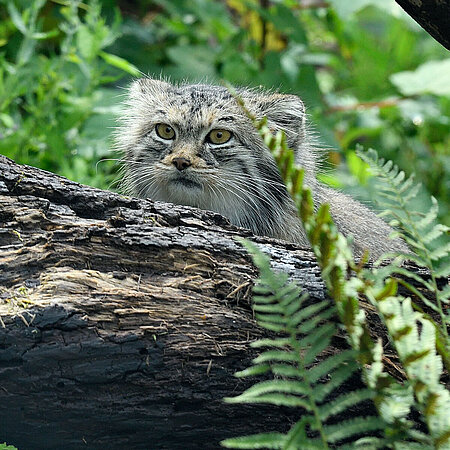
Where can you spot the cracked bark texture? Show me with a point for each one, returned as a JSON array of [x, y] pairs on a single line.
[[124, 320]]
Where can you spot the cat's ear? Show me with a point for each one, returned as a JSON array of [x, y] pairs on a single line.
[[146, 86], [284, 112]]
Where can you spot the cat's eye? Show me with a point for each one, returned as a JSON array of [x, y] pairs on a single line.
[[165, 131], [218, 136]]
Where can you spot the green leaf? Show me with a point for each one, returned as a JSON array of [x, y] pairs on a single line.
[[347, 8], [348, 428], [263, 440], [441, 252], [120, 63], [16, 18], [343, 402], [308, 311], [283, 386], [46, 35], [285, 370], [435, 232], [328, 365], [430, 215], [432, 77], [338, 377], [271, 399], [279, 343], [253, 371], [275, 355]]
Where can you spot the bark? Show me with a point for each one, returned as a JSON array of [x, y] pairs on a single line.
[[432, 15], [123, 320]]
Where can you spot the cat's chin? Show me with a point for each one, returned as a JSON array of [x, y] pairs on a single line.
[[183, 190], [184, 183]]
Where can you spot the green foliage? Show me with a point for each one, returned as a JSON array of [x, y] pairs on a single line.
[[306, 331], [361, 67], [54, 112], [420, 344], [4, 446], [418, 229]]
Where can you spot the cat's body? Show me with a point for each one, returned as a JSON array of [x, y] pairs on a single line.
[[194, 145]]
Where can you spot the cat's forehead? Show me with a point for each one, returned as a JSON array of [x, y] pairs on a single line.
[[200, 103], [202, 97]]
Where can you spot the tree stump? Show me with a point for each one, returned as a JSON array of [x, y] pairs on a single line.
[[122, 321]]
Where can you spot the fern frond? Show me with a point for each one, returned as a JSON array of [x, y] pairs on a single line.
[[252, 371], [307, 333], [352, 427], [280, 307], [283, 386], [272, 399], [308, 311], [430, 216], [345, 401], [437, 231], [275, 355], [419, 234], [339, 376], [279, 343], [263, 440], [330, 364]]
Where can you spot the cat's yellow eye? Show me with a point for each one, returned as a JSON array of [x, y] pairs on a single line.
[[165, 131], [219, 136]]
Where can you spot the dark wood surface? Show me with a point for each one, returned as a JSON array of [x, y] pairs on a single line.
[[123, 320], [432, 15]]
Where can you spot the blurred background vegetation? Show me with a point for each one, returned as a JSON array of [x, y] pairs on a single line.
[[367, 72]]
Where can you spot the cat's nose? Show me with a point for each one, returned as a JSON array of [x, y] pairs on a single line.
[[181, 163]]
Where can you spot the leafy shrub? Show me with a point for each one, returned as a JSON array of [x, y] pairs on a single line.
[[55, 112], [366, 71]]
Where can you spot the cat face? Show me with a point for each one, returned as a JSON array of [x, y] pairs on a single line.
[[193, 145]]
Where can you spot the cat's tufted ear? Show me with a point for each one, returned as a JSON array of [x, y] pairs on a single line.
[[144, 86], [284, 112]]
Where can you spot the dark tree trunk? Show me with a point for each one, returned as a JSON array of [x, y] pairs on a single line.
[[123, 321], [432, 15]]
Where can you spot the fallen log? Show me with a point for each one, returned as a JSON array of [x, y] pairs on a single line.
[[122, 321]]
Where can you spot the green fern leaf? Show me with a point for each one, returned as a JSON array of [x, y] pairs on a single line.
[[263, 440], [272, 399], [285, 370], [313, 323], [271, 318], [429, 216], [279, 343], [280, 386], [443, 271], [343, 402], [412, 194], [352, 427], [440, 252], [262, 308], [253, 371], [329, 364], [275, 355], [338, 377], [406, 185], [316, 334], [445, 293], [322, 341], [308, 311], [271, 326], [435, 232]]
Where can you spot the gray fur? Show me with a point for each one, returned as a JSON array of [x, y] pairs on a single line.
[[238, 179]]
